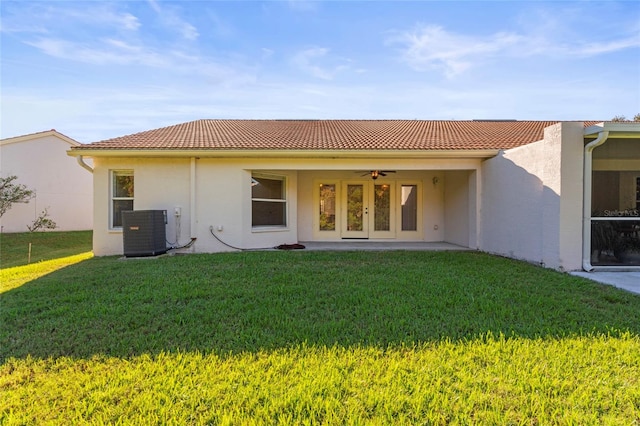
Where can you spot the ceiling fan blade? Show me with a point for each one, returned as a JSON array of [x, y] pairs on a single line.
[[375, 173]]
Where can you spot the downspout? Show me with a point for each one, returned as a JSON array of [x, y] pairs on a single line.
[[192, 198], [84, 165], [586, 206]]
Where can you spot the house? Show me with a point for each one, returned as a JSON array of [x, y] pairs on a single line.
[[41, 163], [530, 190]]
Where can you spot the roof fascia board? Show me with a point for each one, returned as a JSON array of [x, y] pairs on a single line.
[[171, 153], [615, 129]]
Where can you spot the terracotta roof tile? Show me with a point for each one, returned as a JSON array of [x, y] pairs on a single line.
[[331, 135]]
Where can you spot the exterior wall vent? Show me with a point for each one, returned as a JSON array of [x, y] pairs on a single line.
[[144, 232]]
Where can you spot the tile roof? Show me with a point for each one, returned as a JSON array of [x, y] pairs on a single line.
[[331, 135]]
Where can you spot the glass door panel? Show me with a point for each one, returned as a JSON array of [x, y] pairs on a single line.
[[355, 207], [368, 210], [327, 212], [382, 207]]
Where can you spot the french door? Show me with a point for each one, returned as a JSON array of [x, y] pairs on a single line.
[[367, 210]]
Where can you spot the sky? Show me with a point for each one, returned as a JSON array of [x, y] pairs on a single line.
[[94, 70]]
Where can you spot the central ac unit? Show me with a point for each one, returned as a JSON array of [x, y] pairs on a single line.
[[144, 232]]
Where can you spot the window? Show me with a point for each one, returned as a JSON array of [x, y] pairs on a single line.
[[268, 201], [121, 195], [409, 207]]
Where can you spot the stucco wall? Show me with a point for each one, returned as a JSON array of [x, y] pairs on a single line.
[[532, 200], [222, 198], [216, 193], [565, 140], [511, 218], [158, 185], [61, 185], [457, 207]]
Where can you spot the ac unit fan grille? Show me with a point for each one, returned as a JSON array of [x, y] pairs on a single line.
[[144, 233]]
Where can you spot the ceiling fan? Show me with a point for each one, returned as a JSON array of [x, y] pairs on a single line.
[[376, 173]]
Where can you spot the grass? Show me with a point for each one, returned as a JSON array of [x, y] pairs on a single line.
[[15, 277], [14, 248], [318, 337]]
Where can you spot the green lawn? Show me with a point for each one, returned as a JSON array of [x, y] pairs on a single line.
[[317, 337], [14, 248]]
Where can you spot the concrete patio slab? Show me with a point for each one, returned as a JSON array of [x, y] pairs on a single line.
[[354, 245], [629, 281]]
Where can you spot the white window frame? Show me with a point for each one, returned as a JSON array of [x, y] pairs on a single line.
[[112, 196], [285, 201]]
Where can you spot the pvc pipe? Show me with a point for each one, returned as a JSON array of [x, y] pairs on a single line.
[[586, 202]]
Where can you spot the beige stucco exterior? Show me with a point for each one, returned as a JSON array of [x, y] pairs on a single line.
[[215, 194], [526, 203], [532, 200], [62, 187]]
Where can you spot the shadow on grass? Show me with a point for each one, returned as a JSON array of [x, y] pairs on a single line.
[[253, 301]]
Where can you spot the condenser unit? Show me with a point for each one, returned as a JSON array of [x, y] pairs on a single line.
[[144, 232]]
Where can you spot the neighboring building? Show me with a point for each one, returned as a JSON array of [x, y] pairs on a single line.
[[514, 188], [41, 163]]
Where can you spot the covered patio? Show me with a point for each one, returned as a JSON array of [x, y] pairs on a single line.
[[355, 245]]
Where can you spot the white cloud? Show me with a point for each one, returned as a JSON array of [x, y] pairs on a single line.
[[47, 18], [170, 17], [432, 47], [100, 14], [8, 26], [593, 49], [129, 21], [99, 34], [172, 63], [101, 52], [308, 61]]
